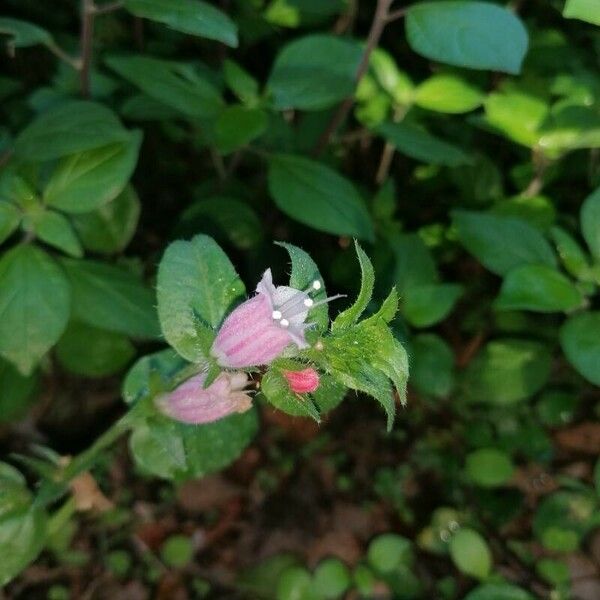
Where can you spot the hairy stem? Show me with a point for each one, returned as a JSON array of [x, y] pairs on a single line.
[[379, 21]]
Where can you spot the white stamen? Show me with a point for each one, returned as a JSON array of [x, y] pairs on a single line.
[[316, 284], [284, 322], [276, 314], [308, 302]]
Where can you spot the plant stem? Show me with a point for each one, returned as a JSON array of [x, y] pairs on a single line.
[[62, 55], [379, 21], [108, 8], [88, 10]]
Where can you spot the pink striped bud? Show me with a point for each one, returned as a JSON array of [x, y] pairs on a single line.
[[191, 403], [304, 381], [261, 328]]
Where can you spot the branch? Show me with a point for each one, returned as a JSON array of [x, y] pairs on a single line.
[[62, 55], [108, 8], [87, 34], [379, 21], [397, 14]]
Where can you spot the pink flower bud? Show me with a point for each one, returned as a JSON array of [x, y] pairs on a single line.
[[261, 328], [303, 381], [191, 403]]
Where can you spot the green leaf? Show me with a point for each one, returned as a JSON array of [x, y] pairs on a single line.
[[22, 525], [175, 84], [389, 551], [476, 35], [506, 371], [581, 344], [539, 288], [470, 553], [586, 10], [17, 392], [107, 354], [489, 467], [427, 305], [351, 315], [177, 451], [241, 83], [54, 229], [590, 223], [295, 583], [447, 93], [538, 211], [432, 365], [498, 591], [10, 217], [228, 220], [276, 390], [413, 141], [331, 579], [189, 16], [304, 273], [71, 126], [112, 298], [517, 114], [414, 264], [85, 181], [110, 227], [237, 126], [571, 254], [314, 72], [197, 285], [23, 34], [502, 243], [318, 196], [34, 305]]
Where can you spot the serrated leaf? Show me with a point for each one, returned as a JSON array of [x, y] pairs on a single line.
[[367, 281], [197, 285], [189, 16]]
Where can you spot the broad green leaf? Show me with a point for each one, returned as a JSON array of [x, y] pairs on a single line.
[[476, 35], [237, 126], [447, 93], [571, 254], [177, 451], [569, 128], [389, 551], [314, 72], [431, 365], [427, 305], [22, 34], [471, 553], [295, 583], [502, 243], [226, 219], [517, 114], [581, 344], [489, 467], [141, 107], [351, 315], [414, 264], [276, 390], [241, 83], [112, 298], [506, 371], [16, 190], [93, 352], [71, 126], [17, 392], [304, 273], [22, 525], [586, 10], [34, 305], [110, 227], [539, 288], [85, 181], [413, 141], [318, 196], [10, 217], [175, 84], [197, 285], [331, 579], [189, 16], [538, 211], [396, 83], [498, 591], [590, 223], [54, 229]]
